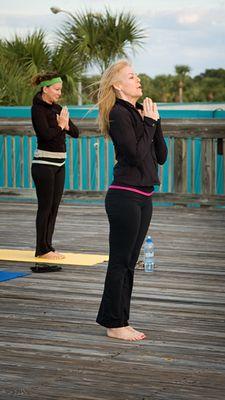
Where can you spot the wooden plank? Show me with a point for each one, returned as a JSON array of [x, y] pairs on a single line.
[[51, 347], [202, 128]]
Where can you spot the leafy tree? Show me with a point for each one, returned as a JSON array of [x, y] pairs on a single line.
[[13, 83], [21, 58], [164, 88], [211, 85], [213, 73], [90, 86], [147, 85], [209, 89], [31, 53], [99, 39]]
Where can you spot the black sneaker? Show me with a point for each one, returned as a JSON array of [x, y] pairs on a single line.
[[42, 267]]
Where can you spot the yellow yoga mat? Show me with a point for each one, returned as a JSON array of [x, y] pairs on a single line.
[[70, 258]]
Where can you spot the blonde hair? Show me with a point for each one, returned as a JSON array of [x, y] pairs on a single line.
[[107, 93]]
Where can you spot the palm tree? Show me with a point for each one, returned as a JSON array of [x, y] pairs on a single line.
[[211, 84], [182, 72], [69, 68], [211, 89], [99, 39], [21, 58], [13, 83], [31, 53], [163, 88]]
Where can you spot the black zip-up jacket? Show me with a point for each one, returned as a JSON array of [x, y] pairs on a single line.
[[139, 146], [50, 136]]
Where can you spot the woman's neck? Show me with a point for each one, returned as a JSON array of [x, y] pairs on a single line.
[[46, 99], [130, 99]]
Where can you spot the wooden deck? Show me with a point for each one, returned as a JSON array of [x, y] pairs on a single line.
[[50, 346]]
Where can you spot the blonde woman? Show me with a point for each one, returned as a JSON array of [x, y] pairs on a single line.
[[139, 146]]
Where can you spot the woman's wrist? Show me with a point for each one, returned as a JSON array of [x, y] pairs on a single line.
[[62, 126]]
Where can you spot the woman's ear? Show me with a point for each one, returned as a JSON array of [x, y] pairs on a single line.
[[116, 88]]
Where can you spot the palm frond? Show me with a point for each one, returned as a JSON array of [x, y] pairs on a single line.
[[99, 39]]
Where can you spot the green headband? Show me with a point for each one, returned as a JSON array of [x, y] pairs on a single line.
[[50, 82]]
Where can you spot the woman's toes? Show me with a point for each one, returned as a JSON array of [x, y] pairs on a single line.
[[60, 255], [124, 333], [50, 256], [136, 331]]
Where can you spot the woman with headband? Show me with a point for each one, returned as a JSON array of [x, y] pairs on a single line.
[[51, 123], [139, 145]]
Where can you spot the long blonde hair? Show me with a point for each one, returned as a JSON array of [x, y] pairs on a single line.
[[107, 93]]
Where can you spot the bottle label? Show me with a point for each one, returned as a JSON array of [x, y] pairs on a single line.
[[149, 254]]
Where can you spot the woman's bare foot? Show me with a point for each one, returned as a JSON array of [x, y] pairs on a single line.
[[124, 333], [59, 254], [50, 256], [138, 332]]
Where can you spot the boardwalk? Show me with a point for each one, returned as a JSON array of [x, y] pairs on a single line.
[[50, 346]]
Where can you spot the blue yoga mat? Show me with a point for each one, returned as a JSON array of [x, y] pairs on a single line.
[[6, 276]]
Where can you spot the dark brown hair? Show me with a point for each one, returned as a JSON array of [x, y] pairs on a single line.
[[43, 76]]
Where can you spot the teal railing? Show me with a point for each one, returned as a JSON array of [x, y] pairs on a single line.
[[195, 165], [90, 161]]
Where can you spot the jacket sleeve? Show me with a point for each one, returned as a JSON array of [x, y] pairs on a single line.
[[123, 135], [41, 126], [73, 131], [160, 144]]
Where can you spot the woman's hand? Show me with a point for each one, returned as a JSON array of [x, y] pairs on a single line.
[[150, 109], [63, 118]]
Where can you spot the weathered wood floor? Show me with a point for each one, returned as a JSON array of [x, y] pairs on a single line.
[[50, 346]]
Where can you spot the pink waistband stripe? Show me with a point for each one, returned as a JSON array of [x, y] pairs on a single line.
[[130, 189]]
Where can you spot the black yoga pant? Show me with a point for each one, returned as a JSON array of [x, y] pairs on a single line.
[[129, 217], [49, 183]]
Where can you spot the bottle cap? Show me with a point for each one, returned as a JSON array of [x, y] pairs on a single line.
[[149, 239]]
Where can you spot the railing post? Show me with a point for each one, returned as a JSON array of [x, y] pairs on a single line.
[[208, 166], [71, 160], [97, 161], [180, 165], [5, 154], [223, 165]]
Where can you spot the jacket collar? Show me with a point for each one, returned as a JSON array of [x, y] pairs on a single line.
[[128, 105]]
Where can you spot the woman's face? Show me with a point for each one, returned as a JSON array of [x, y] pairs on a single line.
[[52, 93], [129, 84]]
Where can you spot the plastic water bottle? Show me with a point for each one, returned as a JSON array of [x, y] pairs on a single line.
[[149, 255]]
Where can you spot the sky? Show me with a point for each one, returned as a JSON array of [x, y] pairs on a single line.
[[190, 32]]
